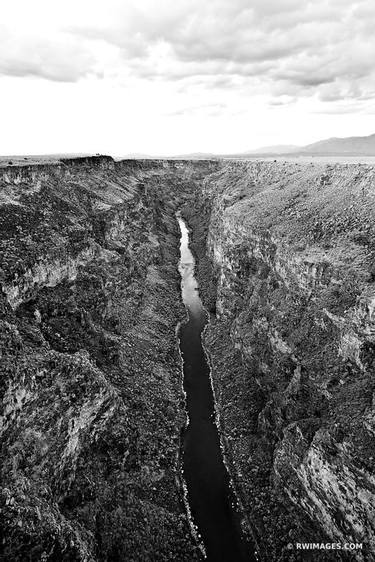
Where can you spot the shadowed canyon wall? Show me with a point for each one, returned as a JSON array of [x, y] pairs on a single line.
[[91, 376]]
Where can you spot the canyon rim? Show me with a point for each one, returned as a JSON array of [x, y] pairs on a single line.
[[93, 400]]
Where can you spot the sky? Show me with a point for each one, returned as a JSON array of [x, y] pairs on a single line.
[[168, 77]]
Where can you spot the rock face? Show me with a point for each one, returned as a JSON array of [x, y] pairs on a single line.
[[291, 280], [91, 376]]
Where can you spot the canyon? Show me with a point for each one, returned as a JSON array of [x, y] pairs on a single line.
[[92, 382]]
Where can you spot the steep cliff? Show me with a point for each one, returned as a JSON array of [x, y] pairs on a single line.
[[91, 376], [287, 264]]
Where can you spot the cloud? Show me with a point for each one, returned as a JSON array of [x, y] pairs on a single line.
[[294, 48], [202, 109], [61, 58], [323, 48]]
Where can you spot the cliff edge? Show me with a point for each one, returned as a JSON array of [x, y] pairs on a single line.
[[287, 267], [91, 374]]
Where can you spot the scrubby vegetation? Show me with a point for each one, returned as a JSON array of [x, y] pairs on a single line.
[[91, 375], [291, 346]]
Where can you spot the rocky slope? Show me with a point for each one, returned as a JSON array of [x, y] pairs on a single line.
[[287, 260], [91, 376]]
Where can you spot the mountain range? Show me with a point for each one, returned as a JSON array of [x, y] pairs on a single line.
[[347, 146]]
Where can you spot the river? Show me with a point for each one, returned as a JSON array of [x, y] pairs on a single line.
[[210, 497]]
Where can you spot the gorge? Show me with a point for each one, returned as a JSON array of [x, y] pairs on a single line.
[[92, 381], [210, 498]]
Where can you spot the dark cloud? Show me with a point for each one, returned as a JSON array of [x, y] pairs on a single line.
[[298, 77]]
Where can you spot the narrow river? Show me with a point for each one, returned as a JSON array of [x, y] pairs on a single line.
[[210, 497]]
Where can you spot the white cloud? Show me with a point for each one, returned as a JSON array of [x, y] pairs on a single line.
[[198, 62]]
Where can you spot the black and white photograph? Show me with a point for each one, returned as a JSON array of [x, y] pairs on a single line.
[[187, 281]]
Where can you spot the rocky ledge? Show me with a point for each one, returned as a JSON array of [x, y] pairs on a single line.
[[91, 375], [287, 267]]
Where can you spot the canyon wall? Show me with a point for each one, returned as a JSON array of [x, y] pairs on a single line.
[[91, 374], [287, 268]]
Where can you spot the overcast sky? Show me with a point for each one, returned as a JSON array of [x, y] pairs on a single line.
[[178, 76]]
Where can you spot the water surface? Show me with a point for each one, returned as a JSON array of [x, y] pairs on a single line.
[[210, 497]]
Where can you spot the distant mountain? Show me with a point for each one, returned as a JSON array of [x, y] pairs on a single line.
[[357, 146], [195, 156], [135, 156], [192, 156], [31, 159], [347, 146], [278, 149]]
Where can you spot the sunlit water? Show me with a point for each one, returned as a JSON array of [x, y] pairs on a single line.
[[210, 497]]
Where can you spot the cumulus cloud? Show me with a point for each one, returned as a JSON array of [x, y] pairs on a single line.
[[61, 58], [294, 48], [321, 48]]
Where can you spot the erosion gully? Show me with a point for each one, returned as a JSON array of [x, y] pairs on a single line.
[[211, 500]]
